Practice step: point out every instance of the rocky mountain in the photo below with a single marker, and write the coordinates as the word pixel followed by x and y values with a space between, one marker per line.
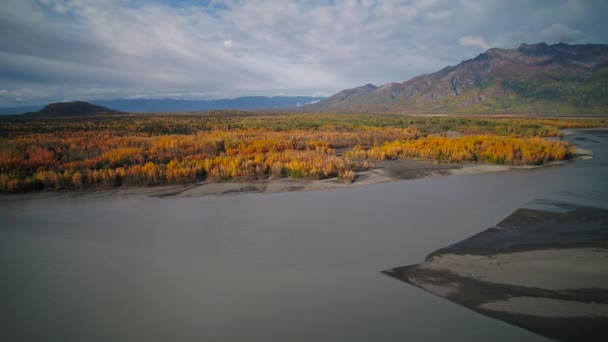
pixel 72 109
pixel 539 78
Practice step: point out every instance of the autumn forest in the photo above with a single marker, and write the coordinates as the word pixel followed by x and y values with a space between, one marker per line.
pixel 146 150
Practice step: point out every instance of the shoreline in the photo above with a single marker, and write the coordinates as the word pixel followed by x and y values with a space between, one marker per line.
pixel 384 171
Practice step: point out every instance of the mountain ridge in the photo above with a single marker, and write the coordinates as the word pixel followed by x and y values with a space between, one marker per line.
pixel 174 105
pixel 534 78
pixel 177 105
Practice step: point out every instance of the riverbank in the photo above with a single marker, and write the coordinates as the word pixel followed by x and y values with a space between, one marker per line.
pixel 383 172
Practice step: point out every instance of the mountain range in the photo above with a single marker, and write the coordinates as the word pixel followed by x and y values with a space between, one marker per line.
pixel 538 78
pixel 173 105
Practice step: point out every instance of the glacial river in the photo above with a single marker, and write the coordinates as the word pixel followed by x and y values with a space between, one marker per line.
pixel 299 266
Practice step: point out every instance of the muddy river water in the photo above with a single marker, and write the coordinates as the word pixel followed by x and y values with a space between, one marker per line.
pixel 299 266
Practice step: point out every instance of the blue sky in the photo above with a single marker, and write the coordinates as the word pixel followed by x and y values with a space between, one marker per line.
pixel 56 50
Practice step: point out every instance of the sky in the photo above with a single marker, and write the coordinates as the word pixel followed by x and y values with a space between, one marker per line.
pixel 60 50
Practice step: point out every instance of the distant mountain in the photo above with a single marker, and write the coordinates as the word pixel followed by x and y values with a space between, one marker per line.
pixel 538 78
pixel 172 105
pixel 242 103
pixel 72 109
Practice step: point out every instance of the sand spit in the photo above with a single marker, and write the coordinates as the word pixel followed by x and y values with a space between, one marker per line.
pixel 543 268
pixel 545 307
pixel 545 271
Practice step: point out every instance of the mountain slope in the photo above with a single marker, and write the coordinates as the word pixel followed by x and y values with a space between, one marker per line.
pixel 72 109
pixel 538 78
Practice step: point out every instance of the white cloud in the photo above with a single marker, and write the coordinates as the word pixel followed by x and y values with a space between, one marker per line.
pixel 441 15
pixel 475 42
pixel 122 48
pixel 558 32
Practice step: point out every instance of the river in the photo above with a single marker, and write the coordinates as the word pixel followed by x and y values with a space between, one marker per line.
pixel 297 266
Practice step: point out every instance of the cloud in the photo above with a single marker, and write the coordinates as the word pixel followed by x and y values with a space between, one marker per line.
pixel 92 49
pixel 476 42
pixel 442 15
pixel 558 32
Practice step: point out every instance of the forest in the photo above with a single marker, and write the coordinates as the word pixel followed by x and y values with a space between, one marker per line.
pixel 146 150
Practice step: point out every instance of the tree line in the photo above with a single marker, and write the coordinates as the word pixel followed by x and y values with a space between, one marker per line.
pixel 145 150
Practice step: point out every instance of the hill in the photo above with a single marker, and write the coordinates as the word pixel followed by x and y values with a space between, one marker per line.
pixel 72 109
pixel 539 78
